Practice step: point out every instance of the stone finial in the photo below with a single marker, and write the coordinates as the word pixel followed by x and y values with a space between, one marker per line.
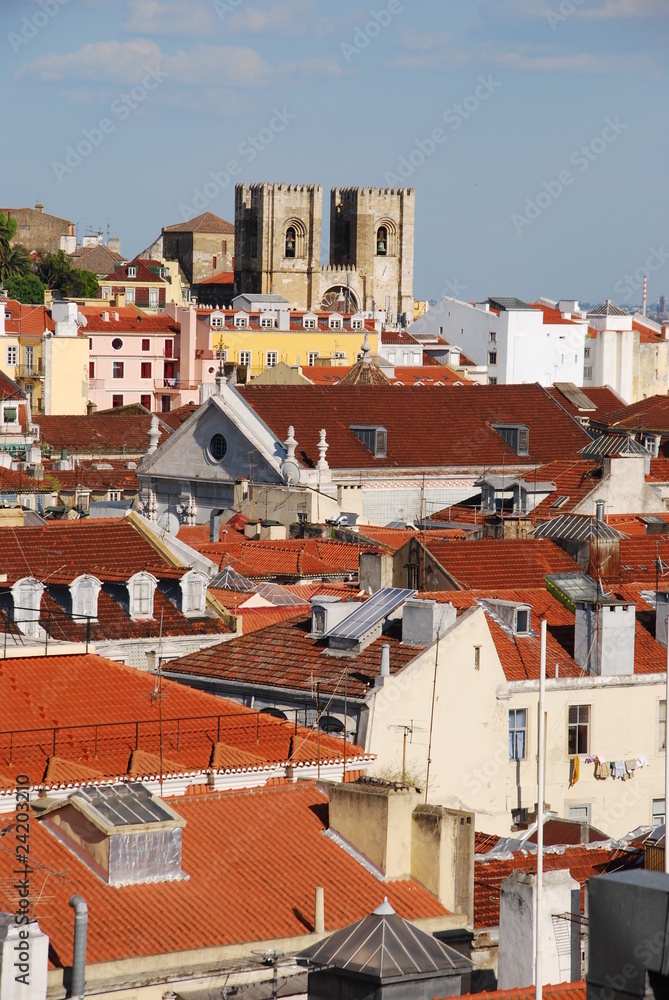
pixel 366 350
pixel 322 465
pixel 154 435
pixel 290 443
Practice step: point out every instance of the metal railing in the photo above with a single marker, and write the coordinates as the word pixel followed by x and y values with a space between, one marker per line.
pixel 39 628
pixel 30 371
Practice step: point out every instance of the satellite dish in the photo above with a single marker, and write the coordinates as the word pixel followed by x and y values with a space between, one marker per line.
pixel 169 523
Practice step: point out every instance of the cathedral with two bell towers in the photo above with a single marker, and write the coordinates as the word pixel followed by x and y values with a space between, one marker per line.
pixel 278 236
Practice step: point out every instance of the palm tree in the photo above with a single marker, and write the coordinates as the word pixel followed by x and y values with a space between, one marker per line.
pixel 15 261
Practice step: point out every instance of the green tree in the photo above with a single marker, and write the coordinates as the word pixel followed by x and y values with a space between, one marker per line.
pixel 83 284
pixel 15 262
pixel 8 229
pixel 26 289
pixel 57 273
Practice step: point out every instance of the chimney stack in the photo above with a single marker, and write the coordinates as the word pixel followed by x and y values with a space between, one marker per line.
pixel 319 911
pixel 599 506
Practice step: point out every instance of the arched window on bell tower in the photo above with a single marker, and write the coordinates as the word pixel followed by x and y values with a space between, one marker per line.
pixel 291 242
pixel 382 241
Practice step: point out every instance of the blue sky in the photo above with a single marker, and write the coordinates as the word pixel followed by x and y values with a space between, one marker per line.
pixel 535 132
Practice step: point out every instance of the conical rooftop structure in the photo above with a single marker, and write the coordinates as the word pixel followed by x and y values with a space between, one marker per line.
pixel 386 954
pixel 365 371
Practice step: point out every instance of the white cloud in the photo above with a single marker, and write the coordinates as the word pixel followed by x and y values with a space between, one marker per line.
pixel 589 9
pixel 168 17
pixel 125 63
pixel 610 9
pixel 286 17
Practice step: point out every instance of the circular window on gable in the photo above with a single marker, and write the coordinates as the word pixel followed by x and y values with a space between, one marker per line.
pixel 117 343
pixel 218 447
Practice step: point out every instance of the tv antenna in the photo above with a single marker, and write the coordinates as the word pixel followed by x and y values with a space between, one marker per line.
pixel 407 730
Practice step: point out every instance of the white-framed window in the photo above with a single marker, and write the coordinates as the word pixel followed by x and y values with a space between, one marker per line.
pixel 241 322
pixel 267 322
pixel 153 298
pixel 657 815
pixel 114 495
pixel 587 372
pixel 340 355
pixel 335 322
pixel 84 591
pixel 129 295
pixel 132 271
pixel 578 730
pixel 392 357
pixel 10 413
pixel 312 356
pixel 356 324
pixel 492 358
pixel 12 355
pixel 141 588
pixel 415 358
pixel 492 337
pixel 271 359
pixel 245 358
pixel 661 724
pixel 517 733
pixel 217 322
pixel 373 438
pixel 106 292
pixel 580 811
pixel 309 324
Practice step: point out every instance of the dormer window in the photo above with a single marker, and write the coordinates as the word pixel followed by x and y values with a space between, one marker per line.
pixel 267 322
pixel 193 594
pixel 356 324
pixel 141 588
pixel 216 322
pixel 132 271
pixel 516 436
pixel 309 322
pixel 335 323
pixel 373 438
pixel 27 599
pixel 84 592
pixel 291 241
pixel 241 321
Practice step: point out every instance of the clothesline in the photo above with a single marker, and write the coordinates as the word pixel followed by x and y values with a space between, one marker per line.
pixel 623 770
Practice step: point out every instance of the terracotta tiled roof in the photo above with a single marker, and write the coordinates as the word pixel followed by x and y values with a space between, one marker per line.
pixel 651 414
pixel 399 337
pixel 112 550
pixel 205 223
pixel 28 320
pixel 520 655
pixel 99 259
pixel 573 480
pixel 391 538
pixel 501 562
pixel 566 991
pixel 97 714
pixel 484 842
pixel 553 316
pixel 582 862
pixel 104 433
pixel 632 525
pixel 649 333
pixel 263 851
pixel 638 557
pixel 285 656
pixel 604 399
pixel 85 475
pixel 453 429
pixel 420 375
pixel 130 321
pixel 304 557
pixel 144 275
pixel 224 278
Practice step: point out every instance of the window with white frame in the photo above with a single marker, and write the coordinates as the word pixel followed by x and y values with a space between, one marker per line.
pixel 141 589
pixel 217 322
pixel 392 357
pixel 129 296
pixel 132 271
pixel 340 355
pixel 309 323
pixel 578 735
pixel 657 815
pixel 312 356
pixel 517 733
pixel 12 355
pixel 245 358
pixel 580 812
pixel 267 322
pixel 335 323
pixel 271 359
pixel 492 337
pixel 84 591
pixel 587 372
pixel 356 324
pixel 153 298
pixel 661 724
pixel 241 322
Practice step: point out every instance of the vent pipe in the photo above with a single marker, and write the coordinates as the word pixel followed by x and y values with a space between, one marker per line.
pixel 600 510
pixel 78 983
pixel 319 918
pixel 385 660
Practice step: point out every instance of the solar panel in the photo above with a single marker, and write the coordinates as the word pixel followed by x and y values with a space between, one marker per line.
pixel 125 805
pixel 371 613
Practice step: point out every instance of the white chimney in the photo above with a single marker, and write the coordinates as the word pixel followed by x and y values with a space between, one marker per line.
pixel 105 316
pixel 604 636
pixel 560 938
pixel 115 316
pixel 24 962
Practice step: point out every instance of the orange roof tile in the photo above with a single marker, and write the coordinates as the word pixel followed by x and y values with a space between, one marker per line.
pixel 28 320
pixel 500 562
pixel 263 851
pixel 130 320
pixel 565 991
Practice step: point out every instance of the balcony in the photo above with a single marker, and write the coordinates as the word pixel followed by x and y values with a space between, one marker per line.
pixel 173 385
pixel 30 371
